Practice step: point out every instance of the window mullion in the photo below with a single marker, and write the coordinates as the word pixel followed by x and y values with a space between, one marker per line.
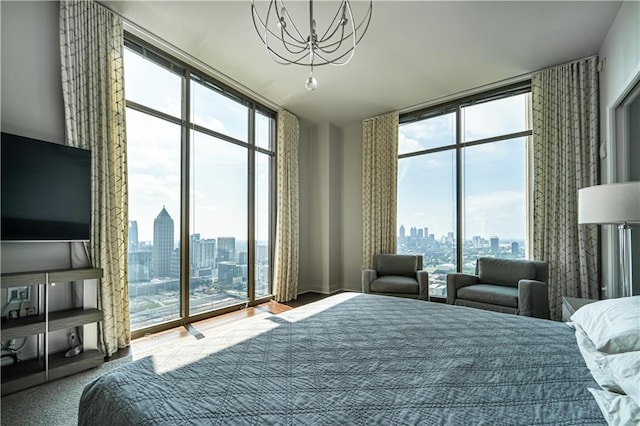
pixel 251 204
pixel 459 189
pixel 185 267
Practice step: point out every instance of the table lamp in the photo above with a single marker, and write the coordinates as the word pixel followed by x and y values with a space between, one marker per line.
pixel 619 204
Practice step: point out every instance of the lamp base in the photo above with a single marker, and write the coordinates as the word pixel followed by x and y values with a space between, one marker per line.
pixel 624 233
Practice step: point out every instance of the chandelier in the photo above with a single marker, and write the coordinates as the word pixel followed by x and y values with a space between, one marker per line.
pixel 287 44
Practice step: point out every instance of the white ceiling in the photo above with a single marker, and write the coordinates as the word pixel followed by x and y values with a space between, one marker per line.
pixel 414 51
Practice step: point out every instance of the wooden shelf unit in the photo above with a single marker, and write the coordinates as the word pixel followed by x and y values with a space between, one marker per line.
pixel 47 366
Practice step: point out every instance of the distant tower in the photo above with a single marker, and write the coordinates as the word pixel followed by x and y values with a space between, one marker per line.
pixel 413 232
pixel 514 248
pixel 226 249
pixel 402 232
pixel 133 235
pixel 162 244
pixel 420 233
pixel 495 245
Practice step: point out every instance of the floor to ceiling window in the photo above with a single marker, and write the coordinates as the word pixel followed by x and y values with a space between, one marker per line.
pixel 462 182
pixel 200 172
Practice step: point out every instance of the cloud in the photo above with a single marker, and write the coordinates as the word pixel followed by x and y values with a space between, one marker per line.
pixel 500 213
pixel 499 117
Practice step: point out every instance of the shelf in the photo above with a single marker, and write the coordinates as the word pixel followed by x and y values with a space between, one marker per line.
pixel 22 327
pixel 25 374
pixel 65 275
pixel 14 279
pixel 61 366
pixel 22 375
pixel 60 320
pixel 49 366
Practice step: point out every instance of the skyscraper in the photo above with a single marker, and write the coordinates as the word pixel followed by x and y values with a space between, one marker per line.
pixel 402 232
pixel 226 249
pixel 162 244
pixel 202 252
pixel 514 248
pixel 495 245
pixel 133 235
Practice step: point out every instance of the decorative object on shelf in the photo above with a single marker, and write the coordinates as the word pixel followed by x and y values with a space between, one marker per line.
pixel 287 45
pixel 618 204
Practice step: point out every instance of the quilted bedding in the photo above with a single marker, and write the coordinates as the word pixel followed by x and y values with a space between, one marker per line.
pixel 357 359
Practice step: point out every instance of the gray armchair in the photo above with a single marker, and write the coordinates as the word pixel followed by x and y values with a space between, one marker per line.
pixel 396 275
pixel 503 285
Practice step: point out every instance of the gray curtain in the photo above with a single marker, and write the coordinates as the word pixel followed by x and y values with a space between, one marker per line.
pixel 565 137
pixel 285 286
pixel 91 47
pixel 379 186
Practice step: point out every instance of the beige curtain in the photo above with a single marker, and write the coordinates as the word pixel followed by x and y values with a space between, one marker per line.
pixel 565 133
pixel 379 182
pixel 91 47
pixel 285 285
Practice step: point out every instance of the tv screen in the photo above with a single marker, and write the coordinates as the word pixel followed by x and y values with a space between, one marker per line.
pixel 46 191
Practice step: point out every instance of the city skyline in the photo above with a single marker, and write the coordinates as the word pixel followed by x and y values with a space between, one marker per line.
pixel 493 175
pixel 445 235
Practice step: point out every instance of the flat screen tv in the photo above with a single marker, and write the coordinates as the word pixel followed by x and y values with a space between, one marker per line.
pixel 46 191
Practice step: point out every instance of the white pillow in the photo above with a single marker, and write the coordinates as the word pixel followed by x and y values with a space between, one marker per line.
pixel 596 363
pixel 617 410
pixel 613 325
pixel 624 368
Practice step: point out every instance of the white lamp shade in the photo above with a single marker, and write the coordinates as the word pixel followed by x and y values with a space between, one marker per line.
pixel 614 203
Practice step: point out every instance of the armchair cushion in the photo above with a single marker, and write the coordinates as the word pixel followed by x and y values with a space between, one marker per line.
pixel 396 265
pixel 505 272
pixel 395 284
pixel 491 294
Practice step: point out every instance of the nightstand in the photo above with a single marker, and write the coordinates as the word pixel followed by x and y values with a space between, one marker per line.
pixel 572 304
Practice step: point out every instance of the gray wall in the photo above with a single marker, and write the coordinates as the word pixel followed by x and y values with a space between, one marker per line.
pixel 621 51
pixel 634 175
pixel 32 106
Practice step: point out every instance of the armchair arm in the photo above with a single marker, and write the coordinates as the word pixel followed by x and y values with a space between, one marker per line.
pixel 456 281
pixel 368 275
pixel 533 299
pixel 423 283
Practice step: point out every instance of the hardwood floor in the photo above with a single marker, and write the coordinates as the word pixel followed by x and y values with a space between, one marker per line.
pixel 154 341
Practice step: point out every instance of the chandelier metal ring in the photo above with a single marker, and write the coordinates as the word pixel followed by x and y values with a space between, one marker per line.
pixel 287 45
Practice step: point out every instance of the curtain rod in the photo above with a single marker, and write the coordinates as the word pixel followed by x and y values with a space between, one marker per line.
pixel 170 48
pixel 484 88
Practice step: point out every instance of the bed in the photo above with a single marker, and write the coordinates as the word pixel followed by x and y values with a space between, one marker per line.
pixel 357 359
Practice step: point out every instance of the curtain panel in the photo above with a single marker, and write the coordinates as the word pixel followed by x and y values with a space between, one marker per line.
pixel 285 286
pixel 566 140
pixel 379 185
pixel 91 48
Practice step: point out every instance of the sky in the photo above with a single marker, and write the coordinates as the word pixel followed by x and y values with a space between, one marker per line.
pixel 493 174
pixel 493 181
pixel 218 184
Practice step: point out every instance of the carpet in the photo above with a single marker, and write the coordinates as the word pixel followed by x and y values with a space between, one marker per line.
pixel 54 403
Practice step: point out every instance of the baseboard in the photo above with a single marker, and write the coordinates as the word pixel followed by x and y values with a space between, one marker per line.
pixel 328 293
